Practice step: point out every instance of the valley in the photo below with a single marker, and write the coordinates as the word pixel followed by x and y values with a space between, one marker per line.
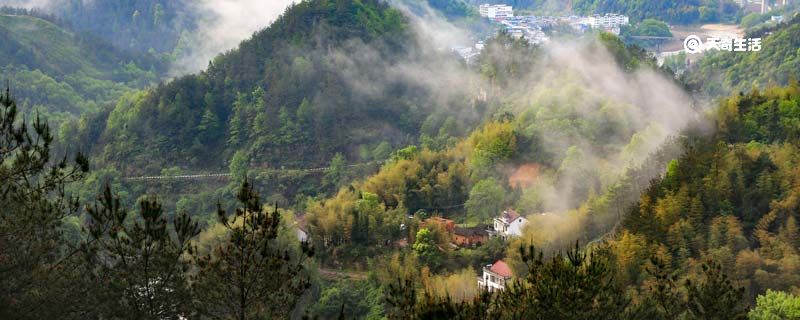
pixel 352 159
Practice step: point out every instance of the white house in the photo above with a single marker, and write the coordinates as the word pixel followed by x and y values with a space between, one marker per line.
pixel 495 276
pixel 608 21
pixel 509 224
pixel 496 11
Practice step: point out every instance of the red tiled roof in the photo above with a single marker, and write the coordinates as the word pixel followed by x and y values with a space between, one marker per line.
pixel 511 215
pixel 501 268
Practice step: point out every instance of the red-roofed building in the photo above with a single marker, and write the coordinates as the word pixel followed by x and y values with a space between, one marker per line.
pixel 495 276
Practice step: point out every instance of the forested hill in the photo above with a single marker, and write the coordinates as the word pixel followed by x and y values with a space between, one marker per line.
pixel 136 25
pixel 673 11
pixel 293 95
pixel 776 63
pixel 732 198
pixel 58 70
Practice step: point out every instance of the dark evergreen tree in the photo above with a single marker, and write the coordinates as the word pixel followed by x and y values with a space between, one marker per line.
pixel 715 297
pixel 249 275
pixel 571 285
pixel 139 262
pixel 36 281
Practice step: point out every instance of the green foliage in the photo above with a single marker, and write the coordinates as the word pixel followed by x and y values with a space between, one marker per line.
pixel 425 247
pixel 652 27
pixel 249 274
pixel 354 299
pixel 753 19
pixel 505 59
pixel 680 12
pixel 485 200
pixel 335 175
pixel 575 285
pixel 771 117
pixel 715 297
pixel 723 200
pixel 266 99
pixel 493 144
pixel 140 25
pixel 725 72
pixel 647 28
pixel 60 71
pixel 774 305
pixel 676 63
pixel 138 266
pixel 238 166
pixel 38 281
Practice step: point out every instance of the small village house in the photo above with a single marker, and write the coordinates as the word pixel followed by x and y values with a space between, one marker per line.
pixel 495 276
pixel 509 224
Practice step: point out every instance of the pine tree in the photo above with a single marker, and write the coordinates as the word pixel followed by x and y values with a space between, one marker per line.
pixel 662 291
pixel 208 127
pixel 36 280
pixel 401 299
pixel 715 297
pixel 249 275
pixel 139 265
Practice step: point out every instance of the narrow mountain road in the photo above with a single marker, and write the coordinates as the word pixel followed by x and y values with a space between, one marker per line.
pixel 228 175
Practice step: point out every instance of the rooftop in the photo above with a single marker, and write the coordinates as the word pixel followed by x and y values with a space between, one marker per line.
pixel 510 215
pixel 501 268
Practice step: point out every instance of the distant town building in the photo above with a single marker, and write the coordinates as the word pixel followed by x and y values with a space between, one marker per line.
pixel 608 21
pixel 776 19
pixel 495 276
pixel 469 237
pixel 496 11
pixel 509 224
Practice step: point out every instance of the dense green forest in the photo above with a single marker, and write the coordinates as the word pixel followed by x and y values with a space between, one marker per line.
pixel 144 26
pixel 65 73
pixel 776 64
pixel 343 120
pixel 282 92
pixel 715 231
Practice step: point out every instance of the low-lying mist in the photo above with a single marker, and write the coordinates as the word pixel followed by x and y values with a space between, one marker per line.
pixel 601 119
pixel 222 25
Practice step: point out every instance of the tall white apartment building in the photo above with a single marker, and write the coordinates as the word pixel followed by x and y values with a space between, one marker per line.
pixel 608 21
pixel 496 11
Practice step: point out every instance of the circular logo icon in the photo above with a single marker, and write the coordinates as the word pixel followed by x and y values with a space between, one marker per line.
pixel 693 44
